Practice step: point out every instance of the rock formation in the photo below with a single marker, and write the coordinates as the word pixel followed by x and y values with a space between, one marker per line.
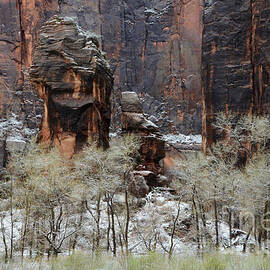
pixel 154 49
pixel 152 46
pixel 150 172
pixel 73 78
pixel 235 63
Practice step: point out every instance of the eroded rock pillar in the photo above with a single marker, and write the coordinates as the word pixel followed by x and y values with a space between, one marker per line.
pixel 73 78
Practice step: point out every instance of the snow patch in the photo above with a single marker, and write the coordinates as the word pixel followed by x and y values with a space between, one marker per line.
pixel 182 139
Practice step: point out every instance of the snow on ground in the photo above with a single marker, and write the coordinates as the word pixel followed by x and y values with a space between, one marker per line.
pixel 150 227
pixel 182 139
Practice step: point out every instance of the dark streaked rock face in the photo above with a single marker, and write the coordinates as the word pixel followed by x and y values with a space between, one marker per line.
pixel 159 58
pixel 152 47
pixel 235 62
pixel 73 78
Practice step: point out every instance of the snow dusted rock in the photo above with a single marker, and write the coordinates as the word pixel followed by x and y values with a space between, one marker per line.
pixel 138 186
pixel 162 180
pixel 13 136
pixel 14 144
pixel 151 226
pixel 238 236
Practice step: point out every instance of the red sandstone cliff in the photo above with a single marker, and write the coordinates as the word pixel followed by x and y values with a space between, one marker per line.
pixel 152 47
pixel 235 62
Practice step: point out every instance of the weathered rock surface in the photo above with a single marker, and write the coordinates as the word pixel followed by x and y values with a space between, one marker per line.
pixel 130 102
pixel 160 59
pixel 152 47
pixel 138 186
pixel 235 63
pixel 73 78
pixel 152 148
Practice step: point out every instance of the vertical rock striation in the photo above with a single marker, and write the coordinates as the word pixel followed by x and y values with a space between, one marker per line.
pixel 152 46
pixel 235 61
pixel 73 78
pixel 159 58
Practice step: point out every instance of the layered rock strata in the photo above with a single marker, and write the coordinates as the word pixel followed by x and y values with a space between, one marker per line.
pixel 236 60
pixel 72 76
pixel 152 45
pixel 150 172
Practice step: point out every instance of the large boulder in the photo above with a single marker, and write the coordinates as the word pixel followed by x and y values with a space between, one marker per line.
pixel 15 145
pixel 130 102
pixel 73 78
pixel 137 121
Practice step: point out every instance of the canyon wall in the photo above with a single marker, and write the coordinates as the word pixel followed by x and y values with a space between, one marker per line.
pixel 235 60
pixel 154 48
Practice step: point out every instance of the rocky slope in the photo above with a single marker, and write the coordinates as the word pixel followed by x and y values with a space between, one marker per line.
pixel 152 45
pixel 235 62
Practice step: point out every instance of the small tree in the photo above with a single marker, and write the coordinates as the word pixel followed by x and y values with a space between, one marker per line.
pixel 43 187
pixel 233 166
pixel 103 173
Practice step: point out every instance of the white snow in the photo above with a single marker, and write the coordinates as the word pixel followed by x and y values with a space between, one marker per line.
pixel 150 227
pixel 14 130
pixel 182 139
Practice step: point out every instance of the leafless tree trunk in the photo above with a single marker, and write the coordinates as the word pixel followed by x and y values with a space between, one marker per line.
pixel 173 230
pixel 196 221
pixel 78 228
pixel 96 219
pixel 216 222
pixel 3 231
pixel 32 239
pixel 127 215
pixel 230 225
pixel 247 237
pixel 24 229
pixel 112 214
pixel 109 227
pixel 11 220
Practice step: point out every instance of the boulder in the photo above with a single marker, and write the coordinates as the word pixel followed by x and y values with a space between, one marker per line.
pixel 138 186
pixel 162 181
pixel 15 145
pixel 137 121
pixel 130 102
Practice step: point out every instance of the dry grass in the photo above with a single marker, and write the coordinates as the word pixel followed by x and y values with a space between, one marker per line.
pixel 83 261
